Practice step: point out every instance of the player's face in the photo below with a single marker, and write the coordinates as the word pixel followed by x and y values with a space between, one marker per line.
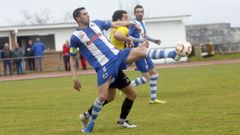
pixel 84 17
pixel 124 17
pixel 139 12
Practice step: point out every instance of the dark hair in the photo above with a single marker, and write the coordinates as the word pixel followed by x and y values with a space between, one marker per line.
pixel 76 12
pixel 136 7
pixel 118 15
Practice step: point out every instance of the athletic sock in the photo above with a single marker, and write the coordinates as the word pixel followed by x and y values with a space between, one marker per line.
pixel 153 86
pixel 138 81
pixel 161 53
pixel 126 107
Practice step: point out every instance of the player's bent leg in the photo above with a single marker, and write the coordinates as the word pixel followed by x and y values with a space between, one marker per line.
pixel 140 80
pixel 84 117
pixel 111 94
pixel 131 94
pixel 97 106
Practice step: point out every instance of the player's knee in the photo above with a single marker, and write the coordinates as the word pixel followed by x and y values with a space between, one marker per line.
pixel 110 99
pixel 132 95
pixel 102 97
pixel 140 51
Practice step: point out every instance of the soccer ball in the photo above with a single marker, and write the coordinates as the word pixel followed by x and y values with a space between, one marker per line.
pixel 183 48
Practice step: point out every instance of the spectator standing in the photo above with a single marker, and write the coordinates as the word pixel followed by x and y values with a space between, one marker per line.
pixel 83 62
pixel 29 53
pixel 18 57
pixel 38 50
pixel 66 57
pixel 1 51
pixel 7 55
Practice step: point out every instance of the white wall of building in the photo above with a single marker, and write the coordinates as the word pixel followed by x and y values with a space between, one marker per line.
pixel 168 32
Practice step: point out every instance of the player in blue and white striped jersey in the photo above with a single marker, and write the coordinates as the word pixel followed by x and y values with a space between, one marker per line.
pixel 145 65
pixel 107 61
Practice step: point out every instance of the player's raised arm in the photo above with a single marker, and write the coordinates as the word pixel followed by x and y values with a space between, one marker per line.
pixel 122 23
pixel 156 41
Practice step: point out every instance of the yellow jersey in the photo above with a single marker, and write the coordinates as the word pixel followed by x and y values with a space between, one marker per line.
pixel 118 44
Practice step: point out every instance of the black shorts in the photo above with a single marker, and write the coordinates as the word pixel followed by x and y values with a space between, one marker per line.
pixel 121 81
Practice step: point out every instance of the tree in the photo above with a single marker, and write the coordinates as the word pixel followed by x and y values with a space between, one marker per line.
pixel 37 18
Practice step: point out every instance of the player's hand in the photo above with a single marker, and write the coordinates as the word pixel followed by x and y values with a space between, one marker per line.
pixel 77 85
pixel 129 43
pixel 138 27
pixel 157 42
pixel 145 44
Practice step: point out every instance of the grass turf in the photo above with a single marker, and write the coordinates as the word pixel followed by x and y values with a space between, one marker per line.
pixel 200 100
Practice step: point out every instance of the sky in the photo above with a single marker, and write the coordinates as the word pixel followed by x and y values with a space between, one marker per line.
pixel 201 11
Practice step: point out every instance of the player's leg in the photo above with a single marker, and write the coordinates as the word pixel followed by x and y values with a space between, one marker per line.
pixel 153 87
pixel 140 80
pixel 142 51
pixel 142 67
pixel 97 106
pixel 84 117
pixel 127 104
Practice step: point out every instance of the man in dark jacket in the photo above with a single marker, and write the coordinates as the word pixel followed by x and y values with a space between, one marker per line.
pixel 29 53
pixel 18 53
pixel 7 54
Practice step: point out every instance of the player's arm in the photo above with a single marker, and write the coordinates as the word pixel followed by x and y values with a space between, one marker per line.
pixel 73 51
pixel 76 82
pixel 156 41
pixel 122 23
pixel 138 40
pixel 119 36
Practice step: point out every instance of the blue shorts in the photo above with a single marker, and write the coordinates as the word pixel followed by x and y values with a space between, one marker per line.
pixel 144 64
pixel 110 70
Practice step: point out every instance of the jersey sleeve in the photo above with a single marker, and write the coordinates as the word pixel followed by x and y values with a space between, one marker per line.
pixel 104 25
pixel 132 31
pixel 74 44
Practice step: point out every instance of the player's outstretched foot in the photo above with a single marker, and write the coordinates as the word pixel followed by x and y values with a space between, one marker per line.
pixel 156 101
pixel 177 58
pixel 126 124
pixel 84 120
pixel 88 128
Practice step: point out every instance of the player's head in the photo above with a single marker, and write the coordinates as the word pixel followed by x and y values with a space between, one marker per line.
pixel 80 15
pixel 119 15
pixel 139 12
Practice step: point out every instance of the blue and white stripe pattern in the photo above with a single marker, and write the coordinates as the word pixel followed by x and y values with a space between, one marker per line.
pixel 161 53
pixel 153 86
pixel 93 44
pixel 138 81
pixel 97 106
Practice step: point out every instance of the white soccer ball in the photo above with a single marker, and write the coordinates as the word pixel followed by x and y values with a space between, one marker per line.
pixel 183 48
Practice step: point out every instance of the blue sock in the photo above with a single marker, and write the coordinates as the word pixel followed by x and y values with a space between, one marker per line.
pixel 138 81
pixel 97 106
pixel 153 86
pixel 161 53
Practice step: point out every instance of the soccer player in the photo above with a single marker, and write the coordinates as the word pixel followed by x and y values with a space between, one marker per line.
pixel 145 65
pixel 119 36
pixel 106 60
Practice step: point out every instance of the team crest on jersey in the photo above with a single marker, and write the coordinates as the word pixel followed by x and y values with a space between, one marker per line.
pixel 81 35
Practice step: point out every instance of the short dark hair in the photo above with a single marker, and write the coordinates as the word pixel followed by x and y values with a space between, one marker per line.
pixel 136 7
pixel 118 15
pixel 76 12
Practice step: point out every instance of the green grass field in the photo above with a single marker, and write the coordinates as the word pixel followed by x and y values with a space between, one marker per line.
pixel 200 101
